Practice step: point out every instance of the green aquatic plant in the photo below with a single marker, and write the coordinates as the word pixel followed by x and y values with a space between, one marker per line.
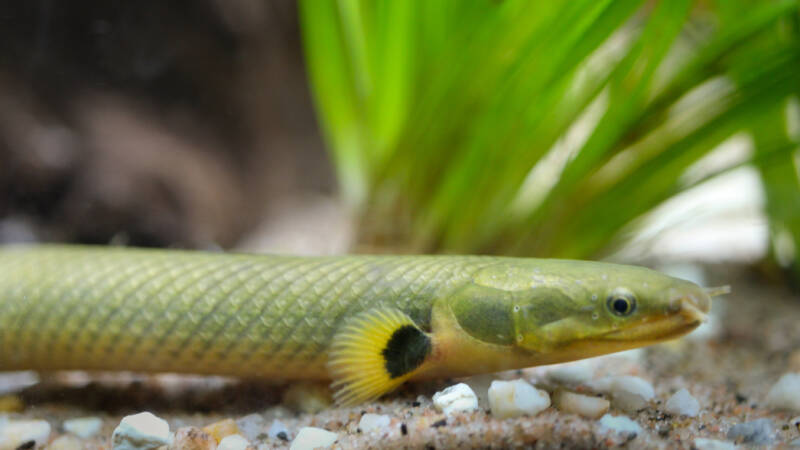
pixel 546 128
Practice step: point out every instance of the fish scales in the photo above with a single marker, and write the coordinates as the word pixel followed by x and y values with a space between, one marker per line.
pixel 244 315
pixel 367 323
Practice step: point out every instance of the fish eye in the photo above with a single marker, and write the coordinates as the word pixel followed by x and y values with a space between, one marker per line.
pixel 621 304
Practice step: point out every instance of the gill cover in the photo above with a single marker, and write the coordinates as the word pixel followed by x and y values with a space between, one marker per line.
pixel 536 319
pixel 543 318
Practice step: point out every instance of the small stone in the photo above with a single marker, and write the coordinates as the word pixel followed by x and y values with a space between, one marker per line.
pixel 141 431
pixel 619 424
pixel 456 398
pixel 572 374
pixel 219 430
pixel 627 392
pixel 582 405
pixel 683 404
pixel 21 433
pixel 66 442
pixel 84 427
pixel 192 438
pixel 758 432
pixel 515 398
pixel 785 394
pixel 309 438
pixel 233 442
pixel 370 422
pixel 712 444
pixel 278 431
pixel 251 426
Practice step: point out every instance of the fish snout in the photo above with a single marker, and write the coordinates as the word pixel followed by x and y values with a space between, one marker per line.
pixel 692 302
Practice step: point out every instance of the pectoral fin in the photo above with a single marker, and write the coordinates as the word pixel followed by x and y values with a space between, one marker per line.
pixel 374 353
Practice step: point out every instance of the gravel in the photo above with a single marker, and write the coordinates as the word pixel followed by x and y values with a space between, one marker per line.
pixel 683 404
pixel 619 424
pixel 23 433
pixel 233 442
pixel 371 422
pixel 68 442
pixel 84 427
pixel 278 431
pixel 785 394
pixel 311 438
pixel 582 405
pixel 220 429
pixel 628 393
pixel 758 432
pixel 192 438
pixel 712 444
pixel 516 398
pixel 143 431
pixel 455 399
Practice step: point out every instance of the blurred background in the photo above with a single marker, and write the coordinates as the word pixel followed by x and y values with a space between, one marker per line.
pixel 635 131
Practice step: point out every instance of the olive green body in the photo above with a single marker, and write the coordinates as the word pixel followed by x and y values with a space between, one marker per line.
pixel 195 312
pixel 283 317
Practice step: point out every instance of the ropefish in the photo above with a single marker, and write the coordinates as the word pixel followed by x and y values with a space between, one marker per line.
pixel 367 323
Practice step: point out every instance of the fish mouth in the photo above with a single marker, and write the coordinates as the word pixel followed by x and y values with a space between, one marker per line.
pixel 688 315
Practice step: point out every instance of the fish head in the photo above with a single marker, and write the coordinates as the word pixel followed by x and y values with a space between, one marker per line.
pixel 580 309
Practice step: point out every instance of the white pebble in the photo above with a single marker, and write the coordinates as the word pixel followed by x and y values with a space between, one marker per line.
pixel 310 438
pixel 456 398
pixel 683 404
pixel 627 392
pixel 251 426
pixel 758 432
pixel 278 431
pixel 371 422
pixel 66 442
pixel 712 444
pixel 18 433
pixel 233 442
pixel 84 427
pixel 572 373
pixel 619 424
pixel 515 398
pixel 583 405
pixel 785 394
pixel 141 431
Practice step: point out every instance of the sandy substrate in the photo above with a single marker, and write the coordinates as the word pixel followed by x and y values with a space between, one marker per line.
pixel 729 371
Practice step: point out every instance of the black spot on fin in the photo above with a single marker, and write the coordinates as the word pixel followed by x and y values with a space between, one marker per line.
pixel 373 353
pixel 406 350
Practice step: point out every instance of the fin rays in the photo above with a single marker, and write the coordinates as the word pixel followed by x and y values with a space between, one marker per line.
pixel 370 355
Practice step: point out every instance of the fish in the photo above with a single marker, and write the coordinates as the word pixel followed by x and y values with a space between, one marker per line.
pixel 365 323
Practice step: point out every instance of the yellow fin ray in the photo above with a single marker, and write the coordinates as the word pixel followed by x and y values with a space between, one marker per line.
pixel 374 353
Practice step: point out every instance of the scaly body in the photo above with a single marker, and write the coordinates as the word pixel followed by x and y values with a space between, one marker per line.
pixel 367 322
